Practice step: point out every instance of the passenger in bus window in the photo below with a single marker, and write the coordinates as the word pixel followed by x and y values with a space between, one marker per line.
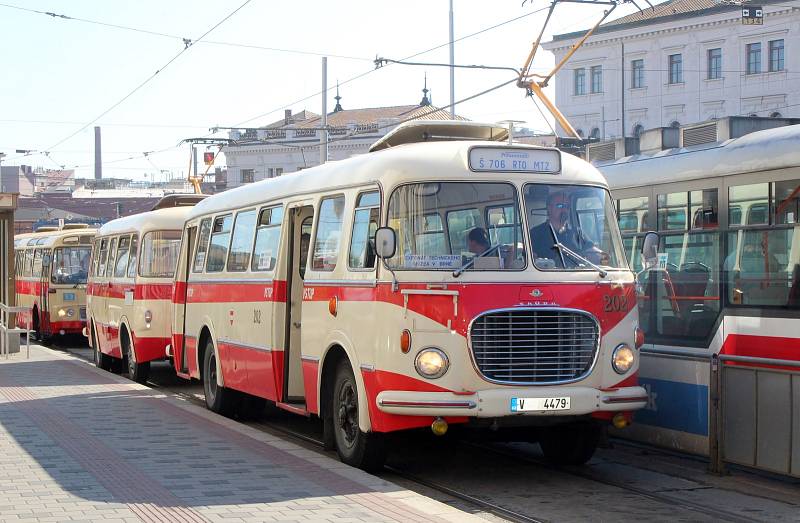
pixel 477 243
pixel 558 222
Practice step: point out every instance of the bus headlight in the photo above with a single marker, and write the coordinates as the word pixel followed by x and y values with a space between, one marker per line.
pixel 622 358
pixel 68 312
pixel 431 363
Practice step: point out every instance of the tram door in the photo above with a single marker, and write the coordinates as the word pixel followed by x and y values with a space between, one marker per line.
pixel 299 238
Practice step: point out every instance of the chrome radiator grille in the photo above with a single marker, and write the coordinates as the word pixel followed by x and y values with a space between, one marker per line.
pixel 534 346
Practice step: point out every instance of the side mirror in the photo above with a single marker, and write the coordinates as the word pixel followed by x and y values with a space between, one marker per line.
pixel 650 248
pixel 385 242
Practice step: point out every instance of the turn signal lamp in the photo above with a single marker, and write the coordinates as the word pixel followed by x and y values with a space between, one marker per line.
pixel 620 421
pixel 405 341
pixel 639 335
pixel 439 427
pixel 333 305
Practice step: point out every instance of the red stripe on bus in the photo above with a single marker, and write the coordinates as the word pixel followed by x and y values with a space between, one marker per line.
pixel 230 292
pixel 141 291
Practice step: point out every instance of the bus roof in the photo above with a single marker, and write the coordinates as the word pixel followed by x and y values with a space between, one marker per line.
pixel 50 237
pixel 430 161
pixel 169 219
pixel 765 150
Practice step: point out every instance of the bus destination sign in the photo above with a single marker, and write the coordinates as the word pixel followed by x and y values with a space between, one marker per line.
pixel 507 159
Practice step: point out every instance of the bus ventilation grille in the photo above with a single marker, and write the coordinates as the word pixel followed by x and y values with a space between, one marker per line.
pixel 534 346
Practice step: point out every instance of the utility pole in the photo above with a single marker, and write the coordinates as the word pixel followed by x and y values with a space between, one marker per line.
pixel 452 69
pixel 323 137
pixel 194 156
pixel 98 162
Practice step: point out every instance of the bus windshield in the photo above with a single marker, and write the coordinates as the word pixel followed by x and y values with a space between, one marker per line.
pixel 70 265
pixel 447 226
pixel 570 225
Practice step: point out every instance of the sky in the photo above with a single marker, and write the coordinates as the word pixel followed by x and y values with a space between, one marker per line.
pixel 59 75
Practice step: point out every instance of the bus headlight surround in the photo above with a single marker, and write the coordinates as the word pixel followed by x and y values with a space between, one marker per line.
pixel 622 358
pixel 66 312
pixel 431 363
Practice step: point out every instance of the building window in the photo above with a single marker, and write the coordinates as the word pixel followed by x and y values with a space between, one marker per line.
pixel 753 58
pixel 270 172
pixel 638 130
pixel 776 55
pixel 580 81
pixel 714 64
pixel 248 175
pixel 278 171
pixel 597 79
pixel 675 124
pixel 595 133
pixel 775 115
pixel 579 132
pixel 675 69
pixel 637 74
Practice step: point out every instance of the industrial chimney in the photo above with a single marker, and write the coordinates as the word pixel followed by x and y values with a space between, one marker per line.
pixel 98 162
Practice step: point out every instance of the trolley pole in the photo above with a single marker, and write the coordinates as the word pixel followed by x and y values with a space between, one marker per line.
pixel 452 69
pixel 323 137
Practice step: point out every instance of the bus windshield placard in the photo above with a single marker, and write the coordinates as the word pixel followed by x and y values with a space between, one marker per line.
pixel 504 159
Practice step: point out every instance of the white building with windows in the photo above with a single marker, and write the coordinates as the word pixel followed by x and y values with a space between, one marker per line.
pixel 292 143
pixel 683 62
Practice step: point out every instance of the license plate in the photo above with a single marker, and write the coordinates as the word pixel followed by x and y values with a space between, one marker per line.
pixel 69 296
pixel 539 404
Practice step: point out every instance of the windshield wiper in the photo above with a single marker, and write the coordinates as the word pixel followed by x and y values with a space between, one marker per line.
pixel 470 263
pixel 562 250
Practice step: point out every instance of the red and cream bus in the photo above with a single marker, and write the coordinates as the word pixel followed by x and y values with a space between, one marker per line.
pixel 130 289
pixel 51 269
pixel 422 284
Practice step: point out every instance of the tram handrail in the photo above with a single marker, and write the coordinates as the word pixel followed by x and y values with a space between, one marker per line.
pixel 5 330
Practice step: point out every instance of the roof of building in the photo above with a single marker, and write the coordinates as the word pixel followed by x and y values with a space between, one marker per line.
pixel 664 12
pixel 47 204
pixel 307 119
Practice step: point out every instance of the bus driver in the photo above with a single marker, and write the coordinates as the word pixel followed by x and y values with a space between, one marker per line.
pixel 558 224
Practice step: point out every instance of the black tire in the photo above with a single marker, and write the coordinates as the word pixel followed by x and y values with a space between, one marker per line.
pixel 364 450
pixel 218 399
pixel 101 361
pixel 138 372
pixel 570 444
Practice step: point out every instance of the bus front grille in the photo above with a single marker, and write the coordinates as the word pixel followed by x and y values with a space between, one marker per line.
pixel 534 346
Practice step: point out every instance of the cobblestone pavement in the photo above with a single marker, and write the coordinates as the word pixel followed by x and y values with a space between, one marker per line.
pixel 80 444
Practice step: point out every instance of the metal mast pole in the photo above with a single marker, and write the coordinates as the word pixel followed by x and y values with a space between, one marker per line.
pixel 323 137
pixel 452 69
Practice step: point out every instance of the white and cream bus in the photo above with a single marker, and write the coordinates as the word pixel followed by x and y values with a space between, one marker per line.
pixel 51 269
pixel 130 287
pixel 418 285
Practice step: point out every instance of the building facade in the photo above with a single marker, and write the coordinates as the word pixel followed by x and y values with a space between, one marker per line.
pixel 293 143
pixel 683 62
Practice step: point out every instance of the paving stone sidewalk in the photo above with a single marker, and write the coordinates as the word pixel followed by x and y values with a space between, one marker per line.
pixel 80 444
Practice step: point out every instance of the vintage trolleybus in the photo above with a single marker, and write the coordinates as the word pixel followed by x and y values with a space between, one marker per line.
pixel 418 285
pixel 51 269
pixel 130 287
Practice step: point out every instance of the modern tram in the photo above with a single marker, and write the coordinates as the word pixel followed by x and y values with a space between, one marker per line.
pixel 443 278
pixel 51 269
pixel 728 282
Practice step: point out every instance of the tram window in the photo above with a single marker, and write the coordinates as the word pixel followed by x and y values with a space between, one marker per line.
pixel 112 252
pixel 751 203
pixel 133 256
pixel 459 225
pixel 242 241
pixel 202 245
pixel 268 237
pixel 787 201
pixel 159 254
pixel 365 223
pixel 704 207
pixel 101 262
pixel 763 267
pixel 672 209
pixel 633 214
pixel 218 247
pixel 329 231
pixel 121 265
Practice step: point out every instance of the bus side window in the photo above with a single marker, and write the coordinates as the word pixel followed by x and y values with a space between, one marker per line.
pixel 37 263
pixel 305 242
pixel 133 256
pixel 329 232
pixel 365 223
pixel 202 245
pixel 242 241
pixel 112 251
pixel 101 262
pixel 121 267
pixel 267 243
pixel 218 248
pixel 28 262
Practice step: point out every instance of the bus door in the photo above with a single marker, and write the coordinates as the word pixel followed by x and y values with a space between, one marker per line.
pixel 44 290
pixel 181 360
pixel 299 239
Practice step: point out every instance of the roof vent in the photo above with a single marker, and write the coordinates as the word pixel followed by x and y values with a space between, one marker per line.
pixel 73 226
pixel 699 134
pixel 601 151
pixel 179 200
pixel 47 228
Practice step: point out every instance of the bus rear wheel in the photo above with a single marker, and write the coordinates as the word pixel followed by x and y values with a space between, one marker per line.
pixel 364 450
pixel 138 372
pixel 570 444
pixel 101 361
pixel 218 398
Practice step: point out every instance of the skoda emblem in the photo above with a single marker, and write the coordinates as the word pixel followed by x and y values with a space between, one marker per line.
pixel 536 293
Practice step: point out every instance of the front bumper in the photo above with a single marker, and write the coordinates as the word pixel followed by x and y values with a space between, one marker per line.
pixel 494 403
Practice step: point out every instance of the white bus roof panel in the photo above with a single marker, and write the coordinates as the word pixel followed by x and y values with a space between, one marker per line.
pixel 169 219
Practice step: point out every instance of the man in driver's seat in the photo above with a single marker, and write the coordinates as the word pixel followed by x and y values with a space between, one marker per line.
pixel 558 222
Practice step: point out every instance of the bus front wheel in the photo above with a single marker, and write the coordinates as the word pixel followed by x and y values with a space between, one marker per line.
pixel 218 398
pixel 365 450
pixel 101 361
pixel 570 444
